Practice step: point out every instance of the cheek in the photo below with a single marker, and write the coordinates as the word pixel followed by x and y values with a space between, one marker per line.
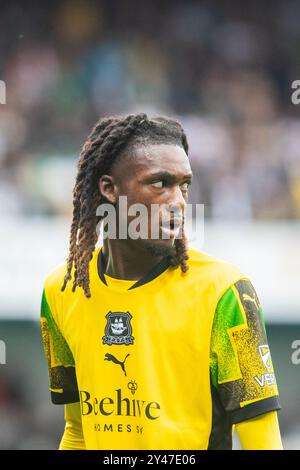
pixel 142 194
pixel 137 194
pixel 130 190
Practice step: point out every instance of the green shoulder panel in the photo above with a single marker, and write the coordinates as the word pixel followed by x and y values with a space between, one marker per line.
pixel 56 348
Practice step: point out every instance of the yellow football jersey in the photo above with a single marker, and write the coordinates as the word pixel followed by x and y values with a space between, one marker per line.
pixel 171 361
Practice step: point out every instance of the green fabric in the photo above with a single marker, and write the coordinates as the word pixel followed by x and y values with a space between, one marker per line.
pixel 61 350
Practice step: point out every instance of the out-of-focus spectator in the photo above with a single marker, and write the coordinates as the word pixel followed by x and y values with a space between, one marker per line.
pixel 225 71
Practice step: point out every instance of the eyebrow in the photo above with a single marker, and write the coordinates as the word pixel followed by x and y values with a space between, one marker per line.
pixel 168 176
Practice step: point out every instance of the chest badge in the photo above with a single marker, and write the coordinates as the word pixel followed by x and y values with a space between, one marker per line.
pixel 118 329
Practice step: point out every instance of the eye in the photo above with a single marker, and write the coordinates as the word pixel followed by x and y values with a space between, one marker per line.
pixel 158 184
pixel 185 186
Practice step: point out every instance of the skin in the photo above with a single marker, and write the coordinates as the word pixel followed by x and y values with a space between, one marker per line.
pixel 139 177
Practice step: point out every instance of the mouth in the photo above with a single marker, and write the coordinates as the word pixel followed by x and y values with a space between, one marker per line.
pixel 171 228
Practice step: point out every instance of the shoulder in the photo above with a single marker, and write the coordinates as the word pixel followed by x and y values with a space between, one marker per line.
pixel 217 272
pixel 53 296
pixel 54 279
pixel 201 261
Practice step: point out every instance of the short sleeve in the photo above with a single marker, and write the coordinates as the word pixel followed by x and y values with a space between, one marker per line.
pixel 60 361
pixel 241 367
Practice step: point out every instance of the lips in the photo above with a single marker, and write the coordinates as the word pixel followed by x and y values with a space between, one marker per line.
pixel 171 228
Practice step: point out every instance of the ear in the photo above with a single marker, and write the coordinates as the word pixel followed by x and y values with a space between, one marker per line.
pixel 107 188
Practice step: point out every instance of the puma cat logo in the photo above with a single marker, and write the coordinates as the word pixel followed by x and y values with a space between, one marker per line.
pixel 250 299
pixel 110 357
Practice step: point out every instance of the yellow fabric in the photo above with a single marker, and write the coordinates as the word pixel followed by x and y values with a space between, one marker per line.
pixel 260 433
pixel 118 283
pixel 72 438
pixel 152 389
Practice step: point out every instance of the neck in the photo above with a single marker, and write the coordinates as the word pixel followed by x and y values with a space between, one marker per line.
pixel 127 259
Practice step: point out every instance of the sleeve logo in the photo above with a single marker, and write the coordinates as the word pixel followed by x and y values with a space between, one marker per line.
pixel 269 378
pixel 265 355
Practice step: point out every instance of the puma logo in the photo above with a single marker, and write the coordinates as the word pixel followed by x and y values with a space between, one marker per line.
pixel 250 299
pixel 110 357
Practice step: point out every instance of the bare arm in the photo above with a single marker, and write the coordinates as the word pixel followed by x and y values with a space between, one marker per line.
pixel 72 438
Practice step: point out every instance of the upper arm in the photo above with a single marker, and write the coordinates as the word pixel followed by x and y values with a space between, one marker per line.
pixel 241 367
pixel 60 360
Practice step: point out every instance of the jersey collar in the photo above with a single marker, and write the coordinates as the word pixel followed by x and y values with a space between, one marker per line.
pixel 152 274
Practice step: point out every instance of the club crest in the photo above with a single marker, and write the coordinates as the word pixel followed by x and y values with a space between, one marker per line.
pixel 118 329
pixel 265 355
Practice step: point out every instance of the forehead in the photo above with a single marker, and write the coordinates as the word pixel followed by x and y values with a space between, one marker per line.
pixel 148 159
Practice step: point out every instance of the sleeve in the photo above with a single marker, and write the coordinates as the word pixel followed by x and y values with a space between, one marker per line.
pixel 241 367
pixel 72 438
pixel 60 361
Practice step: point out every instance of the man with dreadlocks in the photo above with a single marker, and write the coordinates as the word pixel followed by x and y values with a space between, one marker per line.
pixel 153 345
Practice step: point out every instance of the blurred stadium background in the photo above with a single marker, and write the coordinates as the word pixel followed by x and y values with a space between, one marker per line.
pixel 225 71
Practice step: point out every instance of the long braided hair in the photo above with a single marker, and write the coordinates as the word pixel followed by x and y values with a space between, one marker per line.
pixel 108 140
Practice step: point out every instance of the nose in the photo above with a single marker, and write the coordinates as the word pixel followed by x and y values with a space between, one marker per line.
pixel 177 203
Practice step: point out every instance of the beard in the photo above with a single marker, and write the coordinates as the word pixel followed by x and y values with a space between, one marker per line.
pixel 157 249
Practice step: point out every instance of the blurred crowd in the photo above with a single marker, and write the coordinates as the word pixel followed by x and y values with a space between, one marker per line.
pixel 224 69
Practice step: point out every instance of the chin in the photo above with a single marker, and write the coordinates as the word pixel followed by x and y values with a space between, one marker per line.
pixel 160 247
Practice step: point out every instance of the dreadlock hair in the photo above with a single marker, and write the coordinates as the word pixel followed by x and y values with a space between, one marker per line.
pixel 109 139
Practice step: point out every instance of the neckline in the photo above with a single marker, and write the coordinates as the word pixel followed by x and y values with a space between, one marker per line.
pixel 153 274
pixel 119 284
